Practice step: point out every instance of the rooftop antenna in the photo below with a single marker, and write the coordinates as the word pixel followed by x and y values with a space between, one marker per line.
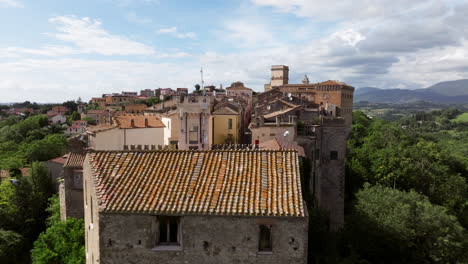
pixel 202 82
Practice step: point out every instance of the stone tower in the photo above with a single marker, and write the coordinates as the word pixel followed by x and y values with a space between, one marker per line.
pixel 279 76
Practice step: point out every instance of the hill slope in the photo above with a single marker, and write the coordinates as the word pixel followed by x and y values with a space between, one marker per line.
pixel 442 93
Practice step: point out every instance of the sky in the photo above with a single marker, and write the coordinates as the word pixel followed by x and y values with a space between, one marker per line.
pixel 55 50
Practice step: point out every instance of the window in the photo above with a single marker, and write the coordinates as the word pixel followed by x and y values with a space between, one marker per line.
pixel 230 123
pixel 265 238
pixel 333 155
pixel 168 230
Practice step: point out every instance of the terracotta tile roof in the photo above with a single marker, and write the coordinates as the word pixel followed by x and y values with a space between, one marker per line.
pixel 330 82
pixel 125 121
pixel 277 144
pixel 99 128
pixel 281 112
pixel 60 160
pixel 75 160
pixel 210 182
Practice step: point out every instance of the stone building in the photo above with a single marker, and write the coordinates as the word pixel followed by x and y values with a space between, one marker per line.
pixel 71 187
pixel 173 206
pixel 328 94
pixel 318 118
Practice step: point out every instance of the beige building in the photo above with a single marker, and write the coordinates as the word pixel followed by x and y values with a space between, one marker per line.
pixel 171 121
pixel 225 125
pixel 127 131
pixel 242 206
pixel 195 113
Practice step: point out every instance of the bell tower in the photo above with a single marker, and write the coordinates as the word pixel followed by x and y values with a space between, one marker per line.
pixel 279 75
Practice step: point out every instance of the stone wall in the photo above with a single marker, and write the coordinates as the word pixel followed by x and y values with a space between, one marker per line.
pixel 71 194
pixel 129 238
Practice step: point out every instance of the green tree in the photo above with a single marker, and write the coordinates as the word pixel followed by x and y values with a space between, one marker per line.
pixel 75 116
pixel 11 246
pixel 41 150
pixel 392 226
pixel 62 242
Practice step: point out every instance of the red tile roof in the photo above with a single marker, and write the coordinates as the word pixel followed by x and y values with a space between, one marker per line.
pixel 125 121
pixel 212 182
pixel 276 144
pixel 75 160
pixel 61 160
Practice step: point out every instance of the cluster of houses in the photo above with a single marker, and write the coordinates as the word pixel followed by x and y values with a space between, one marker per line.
pixel 209 177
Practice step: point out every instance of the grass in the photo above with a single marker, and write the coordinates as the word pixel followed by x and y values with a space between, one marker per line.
pixel 461 118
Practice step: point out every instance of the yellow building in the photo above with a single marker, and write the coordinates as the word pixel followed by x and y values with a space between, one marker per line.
pixel 225 124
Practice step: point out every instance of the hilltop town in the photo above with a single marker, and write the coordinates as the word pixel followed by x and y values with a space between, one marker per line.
pixel 220 160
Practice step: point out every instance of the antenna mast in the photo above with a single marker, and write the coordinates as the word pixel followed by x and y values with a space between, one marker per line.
pixel 202 83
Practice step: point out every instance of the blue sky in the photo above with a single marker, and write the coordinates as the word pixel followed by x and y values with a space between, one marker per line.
pixel 51 51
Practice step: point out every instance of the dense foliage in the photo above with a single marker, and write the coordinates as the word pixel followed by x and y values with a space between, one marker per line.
pixel 62 242
pixel 407 192
pixel 393 226
pixel 23 203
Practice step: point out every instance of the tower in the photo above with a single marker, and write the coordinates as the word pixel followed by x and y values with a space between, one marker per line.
pixel 279 76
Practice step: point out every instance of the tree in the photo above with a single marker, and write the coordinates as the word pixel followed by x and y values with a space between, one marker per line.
pixel 75 116
pixel 62 242
pixel 197 89
pixel 41 150
pixel 392 226
pixel 71 105
pixel 11 246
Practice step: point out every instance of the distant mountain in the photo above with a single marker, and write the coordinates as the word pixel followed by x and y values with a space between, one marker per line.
pixel 442 93
pixel 451 88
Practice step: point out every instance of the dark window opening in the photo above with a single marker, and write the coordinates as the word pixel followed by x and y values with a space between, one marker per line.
pixel 230 123
pixel 333 155
pixel 168 230
pixel 265 238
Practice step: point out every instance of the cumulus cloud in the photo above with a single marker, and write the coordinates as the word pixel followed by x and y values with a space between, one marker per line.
pixel 89 37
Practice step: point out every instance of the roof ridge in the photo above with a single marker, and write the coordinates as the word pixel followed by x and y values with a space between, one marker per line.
pixel 188 150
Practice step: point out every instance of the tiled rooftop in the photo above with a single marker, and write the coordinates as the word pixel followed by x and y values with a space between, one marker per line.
pixel 125 121
pixel 75 160
pixel 213 182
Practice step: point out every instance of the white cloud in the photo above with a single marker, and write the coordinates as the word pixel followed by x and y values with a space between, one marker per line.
pixel 89 37
pixel 247 33
pixel 11 3
pixel 174 32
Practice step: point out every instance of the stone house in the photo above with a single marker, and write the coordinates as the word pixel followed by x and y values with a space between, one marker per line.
pixel 147 93
pixel 55 167
pixel 127 131
pixel 60 109
pixel 99 116
pixel 77 127
pixel 242 206
pixel 56 118
pixel 71 187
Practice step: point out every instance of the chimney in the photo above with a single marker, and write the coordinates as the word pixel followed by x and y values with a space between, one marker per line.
pixel 146 122
pixel 132 122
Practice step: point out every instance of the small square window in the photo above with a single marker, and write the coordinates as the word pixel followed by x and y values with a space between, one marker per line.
pixel 333 155
pixel 168 230
pixel 265 239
